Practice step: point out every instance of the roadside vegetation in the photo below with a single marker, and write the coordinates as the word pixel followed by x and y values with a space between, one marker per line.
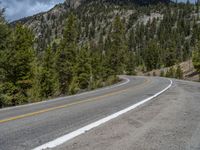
pixel 27 76
pixel 156 36
pixel 196 59
pixel 95 46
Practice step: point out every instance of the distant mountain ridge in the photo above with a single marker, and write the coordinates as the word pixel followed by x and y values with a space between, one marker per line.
pixel 73 4
pixel 48 26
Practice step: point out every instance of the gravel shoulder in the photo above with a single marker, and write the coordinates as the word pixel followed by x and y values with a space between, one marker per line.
pixel 169 122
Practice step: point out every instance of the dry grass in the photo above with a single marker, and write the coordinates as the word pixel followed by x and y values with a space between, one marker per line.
pixel 187 67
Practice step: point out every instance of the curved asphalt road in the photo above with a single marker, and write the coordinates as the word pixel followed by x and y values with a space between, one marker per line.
pixel 26 127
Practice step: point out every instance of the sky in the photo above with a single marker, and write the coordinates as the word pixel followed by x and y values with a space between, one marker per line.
pixel 16 9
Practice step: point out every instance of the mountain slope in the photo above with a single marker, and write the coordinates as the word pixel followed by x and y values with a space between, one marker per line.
pixel 48 26
pixel 83 45
pixel 160 34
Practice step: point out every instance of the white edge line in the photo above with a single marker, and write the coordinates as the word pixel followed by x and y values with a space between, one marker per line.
pixel 61 98
pixel 67 137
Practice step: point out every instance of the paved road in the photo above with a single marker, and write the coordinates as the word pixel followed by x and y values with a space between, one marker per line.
pixel 29 126
pixel 169 122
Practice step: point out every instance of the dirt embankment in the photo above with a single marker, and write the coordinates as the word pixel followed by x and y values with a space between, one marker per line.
pixel 189 73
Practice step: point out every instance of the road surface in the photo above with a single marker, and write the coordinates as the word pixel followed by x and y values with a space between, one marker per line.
pixel 169 122
pixel 30 126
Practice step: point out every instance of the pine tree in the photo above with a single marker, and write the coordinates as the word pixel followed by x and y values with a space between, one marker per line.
pixel 131 42
pixel 196 59
pixel 130 65
pixel 45 78
pixel 18 67
pixel 66 55
pixel 151 59
pixel 118 48
pixel 179 73
pixel 170 56
pixel 101 42
pixel 4 32
pixel 99 72
pixel 82 68
pixel 5 36
pixel 170 73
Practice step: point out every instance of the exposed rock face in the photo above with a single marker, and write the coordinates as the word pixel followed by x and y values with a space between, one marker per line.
pixel 48 26
pixel 73 3
pixel 49 18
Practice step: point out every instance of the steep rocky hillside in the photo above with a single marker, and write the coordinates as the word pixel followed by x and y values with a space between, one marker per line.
pixel 160 33
pixel 80 45
pixel 94 15
pixel 48 26
pixel 189 73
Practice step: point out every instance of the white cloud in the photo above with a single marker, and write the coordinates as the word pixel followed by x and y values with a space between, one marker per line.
pixel 16 9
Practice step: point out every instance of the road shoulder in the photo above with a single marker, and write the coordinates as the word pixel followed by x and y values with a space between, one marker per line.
pixel 170 121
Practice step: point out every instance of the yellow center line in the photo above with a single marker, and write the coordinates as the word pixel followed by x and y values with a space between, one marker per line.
pixel 65 106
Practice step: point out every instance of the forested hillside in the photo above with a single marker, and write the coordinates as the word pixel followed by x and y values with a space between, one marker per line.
pixel 159 35
pixel 28 76
pixel 85 44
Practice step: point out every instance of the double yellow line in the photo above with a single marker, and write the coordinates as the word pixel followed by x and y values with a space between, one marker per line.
pixel 65 106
